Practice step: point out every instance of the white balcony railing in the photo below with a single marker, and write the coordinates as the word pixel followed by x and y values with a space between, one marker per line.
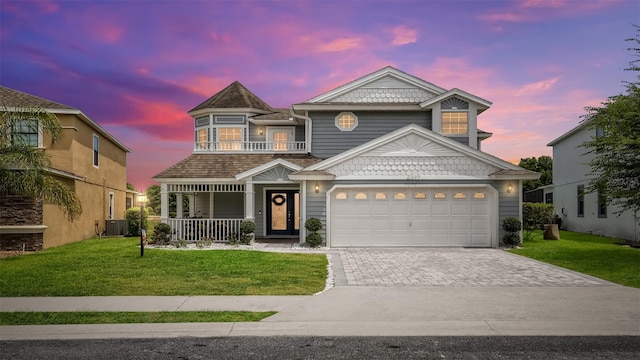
pixel 252 146
pixel 217 230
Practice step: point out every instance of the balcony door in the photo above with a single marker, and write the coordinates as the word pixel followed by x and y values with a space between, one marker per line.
pixel 283 212
pixel 280 136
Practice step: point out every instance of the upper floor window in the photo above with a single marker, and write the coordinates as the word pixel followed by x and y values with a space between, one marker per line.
pixel 602 204
pixel 580 200
pixel 202 138
pixel 96 150
pixel 346 121
pixel 230 138
pixel 455 122
pixel 26 132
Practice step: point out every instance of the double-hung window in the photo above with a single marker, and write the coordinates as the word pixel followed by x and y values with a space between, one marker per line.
pixel 26 132
pixel 230 138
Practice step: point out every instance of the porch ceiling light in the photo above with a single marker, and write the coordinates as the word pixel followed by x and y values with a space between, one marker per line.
pixel 316 188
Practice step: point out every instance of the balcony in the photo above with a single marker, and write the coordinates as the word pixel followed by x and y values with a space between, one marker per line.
pixel 252 146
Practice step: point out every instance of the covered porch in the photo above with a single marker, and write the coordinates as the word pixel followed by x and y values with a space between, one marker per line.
pixel 214 211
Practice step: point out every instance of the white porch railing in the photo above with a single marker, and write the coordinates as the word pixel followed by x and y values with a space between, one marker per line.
pixel 218 230
pixel 252 146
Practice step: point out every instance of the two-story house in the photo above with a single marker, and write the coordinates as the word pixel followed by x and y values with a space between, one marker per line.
pixel 385 160
pixel 88 159
pixel 581 211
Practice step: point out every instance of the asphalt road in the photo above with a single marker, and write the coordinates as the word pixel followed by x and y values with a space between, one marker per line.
pixel 493 347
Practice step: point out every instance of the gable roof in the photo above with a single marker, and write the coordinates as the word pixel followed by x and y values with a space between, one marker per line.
pixel 12 98
pixel 388 72
pixel 234 96
pixel 448 147
pixel 566 135
pixel 485 104
pixel 227 166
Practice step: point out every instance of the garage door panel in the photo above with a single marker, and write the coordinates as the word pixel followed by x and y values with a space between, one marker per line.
pixel 441 217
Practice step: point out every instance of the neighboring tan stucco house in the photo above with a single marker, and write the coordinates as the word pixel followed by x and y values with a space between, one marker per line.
pixel 580 211
pixel 88 159
pixel 385 160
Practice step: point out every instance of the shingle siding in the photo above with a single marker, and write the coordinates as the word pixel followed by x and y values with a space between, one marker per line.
pixel 328 140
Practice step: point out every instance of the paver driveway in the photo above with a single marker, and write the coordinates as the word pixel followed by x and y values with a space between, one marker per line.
pixel 451 268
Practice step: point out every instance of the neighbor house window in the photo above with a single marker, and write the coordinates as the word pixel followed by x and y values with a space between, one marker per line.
pixel 602 204
pixel 26 132
pixel 581 200
pixel 346 121
pixel 455 122
pixel 96 149
pixel 230 138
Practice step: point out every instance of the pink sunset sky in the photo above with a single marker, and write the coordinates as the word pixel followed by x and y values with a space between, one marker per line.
pixel 137 67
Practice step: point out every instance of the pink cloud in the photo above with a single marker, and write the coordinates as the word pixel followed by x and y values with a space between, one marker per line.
pixel 537 87
pixel 340 44
pixel 402 35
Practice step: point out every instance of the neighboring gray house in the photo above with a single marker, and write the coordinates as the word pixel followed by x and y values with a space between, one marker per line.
pixel 385 160
pixel 581 211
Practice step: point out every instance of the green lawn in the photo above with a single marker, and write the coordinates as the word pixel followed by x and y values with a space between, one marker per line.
pixel 54 318
pixel 113 267
pixel 590 254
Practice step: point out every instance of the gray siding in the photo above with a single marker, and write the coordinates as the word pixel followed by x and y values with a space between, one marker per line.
pixel 228 205
pixel 328 140
pixel 462 140
pixel 317 205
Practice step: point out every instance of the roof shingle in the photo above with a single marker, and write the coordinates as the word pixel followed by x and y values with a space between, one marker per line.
pixel 234 96
pixel 14 98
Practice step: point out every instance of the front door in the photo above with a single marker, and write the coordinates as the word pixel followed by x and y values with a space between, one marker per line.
pixel 283 212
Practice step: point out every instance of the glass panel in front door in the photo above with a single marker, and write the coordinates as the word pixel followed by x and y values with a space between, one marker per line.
pixel 279 211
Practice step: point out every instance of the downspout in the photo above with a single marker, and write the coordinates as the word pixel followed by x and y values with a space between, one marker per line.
pixel 307 127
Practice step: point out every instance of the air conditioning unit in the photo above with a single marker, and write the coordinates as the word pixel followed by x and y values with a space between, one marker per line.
pixel 115 227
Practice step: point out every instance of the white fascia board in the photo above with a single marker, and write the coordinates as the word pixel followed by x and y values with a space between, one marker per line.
pixel 290 121
pixel 356 107
pixel 197 181
pixel 457 92
pixel 322 177
pixel 413 128
pixel 227 111
pixel 373 77
pixel 264 167
pixel 569 133
pixel 65 174
pixel 535 176
pixel 440 178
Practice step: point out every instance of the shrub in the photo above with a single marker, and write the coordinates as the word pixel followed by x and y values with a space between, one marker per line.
pixel 182 243
pixel 314 239
pixel 161 234
pixel 536 215
pixel 313 224
pixel 511 225
pixel 204 242
pixel 511 239
pixel 247 228
pixel 133 220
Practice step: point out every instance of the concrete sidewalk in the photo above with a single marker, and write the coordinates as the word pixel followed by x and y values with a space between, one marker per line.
pixel 362 311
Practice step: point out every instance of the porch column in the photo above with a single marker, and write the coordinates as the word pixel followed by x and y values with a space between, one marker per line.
pixel 164 203
pixel 192 205
pixel 179 206
pixel 249 200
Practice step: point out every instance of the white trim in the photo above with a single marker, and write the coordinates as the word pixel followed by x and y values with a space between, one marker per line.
pixel 22 229
pixel 493 203
pixel 264 167
pixel 357 107
pixel 460 93
pixel 386 71
pixel 305 177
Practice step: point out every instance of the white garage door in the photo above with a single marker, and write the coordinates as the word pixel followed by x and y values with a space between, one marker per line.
pixel 410 217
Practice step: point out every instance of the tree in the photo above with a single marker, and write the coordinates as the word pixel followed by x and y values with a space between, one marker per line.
pixel 615 165
pixel 131 187
pixel 543 165
pixel 24 168
pixel 153 198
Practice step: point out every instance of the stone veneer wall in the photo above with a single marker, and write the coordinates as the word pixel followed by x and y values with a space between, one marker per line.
pixel 20 210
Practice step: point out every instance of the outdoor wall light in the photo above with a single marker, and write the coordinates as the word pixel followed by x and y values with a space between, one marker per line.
pixel 510 188
pixel 316 188
pixel 261 131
